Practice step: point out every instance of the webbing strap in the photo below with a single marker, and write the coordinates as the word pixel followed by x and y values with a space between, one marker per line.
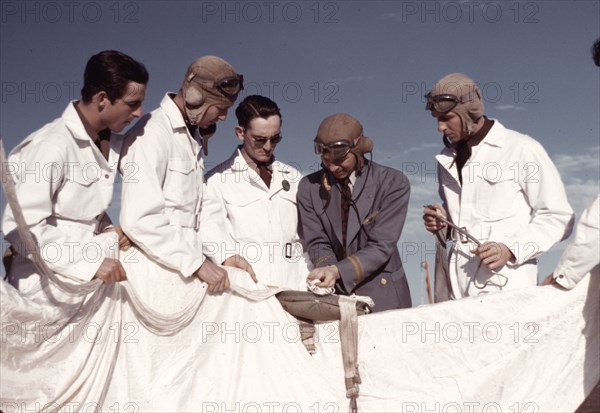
pixel 307 334
pixel 349 340
pixel 348 336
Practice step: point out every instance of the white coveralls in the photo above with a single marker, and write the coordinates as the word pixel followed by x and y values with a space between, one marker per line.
pixel 160 201
pixel 162 189
pixel 227 349
pixel 241 215
pixel 64 186
pixel 512 194
pixel 58 346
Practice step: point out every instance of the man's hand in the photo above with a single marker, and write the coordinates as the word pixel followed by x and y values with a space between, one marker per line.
pixel 549 280
pixel 432 224
pixel 494 254
pixel 110 271
pixel 214 276
pixel 124 241
pixel 240 262
pixel 327 276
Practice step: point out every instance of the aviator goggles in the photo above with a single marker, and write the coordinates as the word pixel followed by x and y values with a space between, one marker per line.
pixel 229 86
pixel 335 150
pixel 445 103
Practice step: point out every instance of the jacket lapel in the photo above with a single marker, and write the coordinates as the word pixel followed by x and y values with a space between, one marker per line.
pixel 333 211
pixel 241 166
pixel 88 148
pixel 446 161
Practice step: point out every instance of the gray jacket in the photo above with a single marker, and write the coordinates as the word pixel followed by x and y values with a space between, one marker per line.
pixel 373 266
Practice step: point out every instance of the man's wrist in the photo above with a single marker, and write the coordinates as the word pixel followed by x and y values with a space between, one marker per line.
pixel 337 271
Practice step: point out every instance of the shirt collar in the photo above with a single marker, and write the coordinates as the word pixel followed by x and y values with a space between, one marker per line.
pixel 75 123
pixel 172 111
pixel 352 178
pixel 253 163
pixel 175 116
pixel 481 133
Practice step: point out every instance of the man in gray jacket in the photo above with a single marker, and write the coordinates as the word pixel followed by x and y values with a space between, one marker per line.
pixel 352 213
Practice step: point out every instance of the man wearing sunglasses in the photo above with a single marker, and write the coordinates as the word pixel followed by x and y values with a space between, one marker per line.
pixel 352 213
pixel 499 185
pixel 249 208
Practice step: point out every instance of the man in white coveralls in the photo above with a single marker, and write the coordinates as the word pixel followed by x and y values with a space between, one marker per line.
pixel 183 351
pixel 250 204
pixel 64 175
pixel 497 184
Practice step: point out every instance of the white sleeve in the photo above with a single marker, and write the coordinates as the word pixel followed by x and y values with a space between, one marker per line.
pixel 582 254
pixel 218 244
pixel 552 216
pixel 144 165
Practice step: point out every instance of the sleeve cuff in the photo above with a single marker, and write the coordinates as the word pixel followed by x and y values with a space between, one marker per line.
pixel 561 278
pixel 193 267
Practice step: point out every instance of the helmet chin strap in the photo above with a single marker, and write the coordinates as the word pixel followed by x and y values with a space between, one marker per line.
pixel 206 134
pixel 186 116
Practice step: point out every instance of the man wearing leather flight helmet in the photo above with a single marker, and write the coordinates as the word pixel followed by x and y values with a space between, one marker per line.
pixel 161 204
pixel 208 91
pixel 352 213
pixel 497 184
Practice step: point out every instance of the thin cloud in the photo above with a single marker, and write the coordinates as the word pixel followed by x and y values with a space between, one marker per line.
pixel 580 174
pixel 423 147
pixel 421 193
pixel 575 163
pixel 510 107
pixel 581 194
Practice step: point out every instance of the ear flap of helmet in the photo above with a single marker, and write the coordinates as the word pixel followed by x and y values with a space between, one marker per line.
pixel 193 96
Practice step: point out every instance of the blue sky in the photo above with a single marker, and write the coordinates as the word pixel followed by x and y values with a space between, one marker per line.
pixel 374 60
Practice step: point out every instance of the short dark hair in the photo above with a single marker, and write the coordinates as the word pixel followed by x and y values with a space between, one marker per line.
pixel 255 106
pixel 596 52
pixel 110 71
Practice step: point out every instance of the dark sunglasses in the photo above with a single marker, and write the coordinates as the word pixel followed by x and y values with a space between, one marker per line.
pixel 262 141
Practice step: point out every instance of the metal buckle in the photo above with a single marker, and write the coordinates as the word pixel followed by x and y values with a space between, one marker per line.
pixel 462 235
